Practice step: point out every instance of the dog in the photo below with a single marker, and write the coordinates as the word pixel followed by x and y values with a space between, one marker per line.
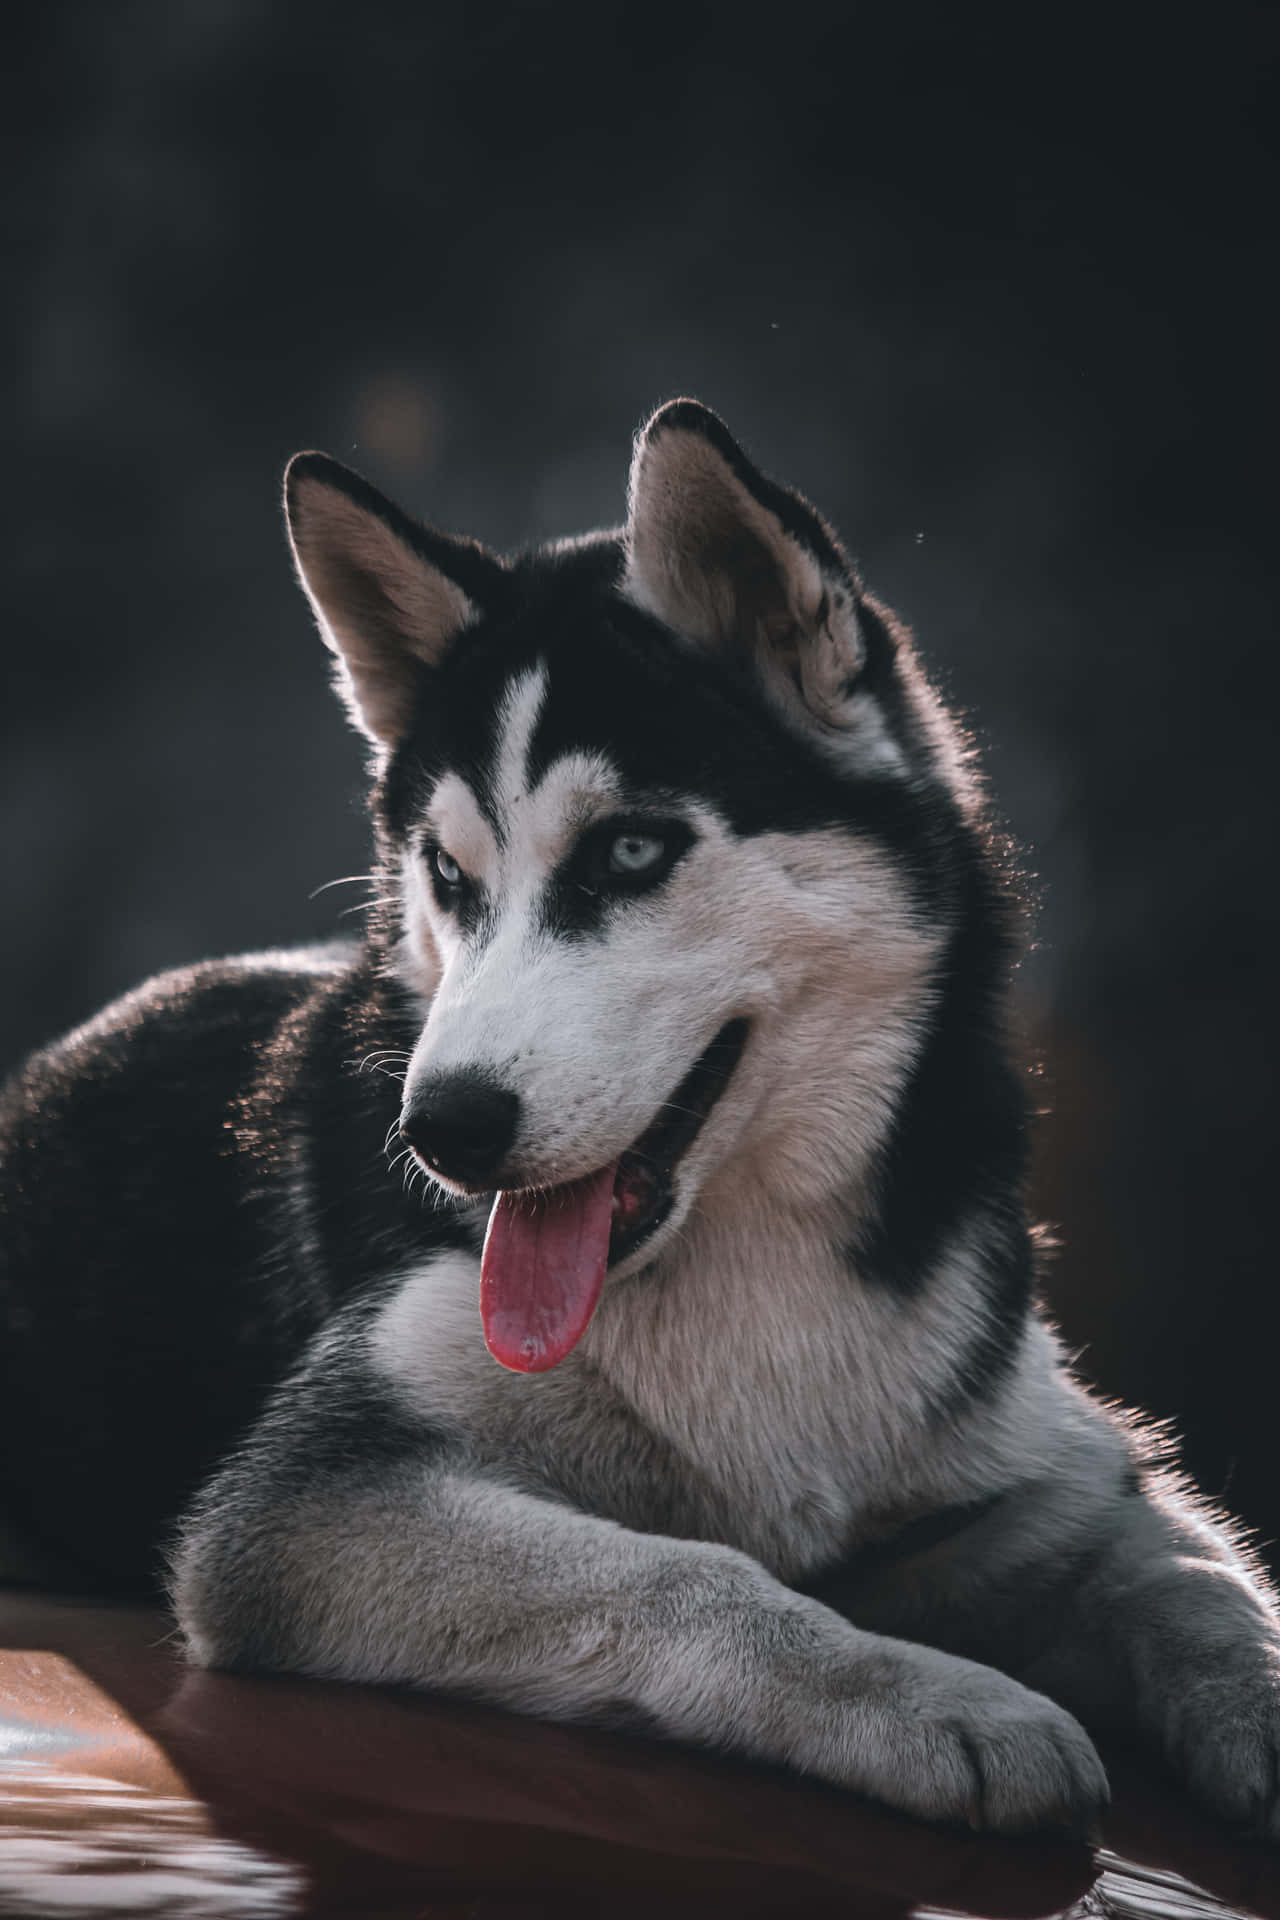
pixel 606 1288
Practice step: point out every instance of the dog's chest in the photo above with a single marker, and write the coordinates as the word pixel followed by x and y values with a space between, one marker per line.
pixel 761 1387
pixel 765 1406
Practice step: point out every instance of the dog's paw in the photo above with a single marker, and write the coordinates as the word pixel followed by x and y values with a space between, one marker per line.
pixel 962 1742
pixel 1221 1732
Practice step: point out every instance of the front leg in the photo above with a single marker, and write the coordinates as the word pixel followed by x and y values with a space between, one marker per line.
pixel 344 1542
pixel 1184 1631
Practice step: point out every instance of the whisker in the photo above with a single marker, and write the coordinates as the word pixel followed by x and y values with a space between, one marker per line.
pixel 347 880
pixel 381 1055
pixel 441 1201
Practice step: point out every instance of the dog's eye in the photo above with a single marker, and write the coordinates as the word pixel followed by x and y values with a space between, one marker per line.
pixel 448 869
pixel 636 852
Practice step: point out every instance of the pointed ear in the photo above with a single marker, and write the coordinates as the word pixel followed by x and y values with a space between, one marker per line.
pixel 734 562
pixel 389 595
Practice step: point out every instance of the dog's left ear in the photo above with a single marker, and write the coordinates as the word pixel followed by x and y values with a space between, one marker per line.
pixel 734 562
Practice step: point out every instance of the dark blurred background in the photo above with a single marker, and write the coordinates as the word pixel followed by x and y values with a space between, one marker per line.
pixel 993 286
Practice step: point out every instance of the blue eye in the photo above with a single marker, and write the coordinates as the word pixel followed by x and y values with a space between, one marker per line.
pixel 636 852
pixel 448 869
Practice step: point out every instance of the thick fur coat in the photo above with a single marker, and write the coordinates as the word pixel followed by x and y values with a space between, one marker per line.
pixel 690 944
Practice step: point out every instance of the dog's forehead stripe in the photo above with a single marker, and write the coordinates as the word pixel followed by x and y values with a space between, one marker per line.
pixel 471 804
pixel 539 809
pixel 518 711
pixel 510 822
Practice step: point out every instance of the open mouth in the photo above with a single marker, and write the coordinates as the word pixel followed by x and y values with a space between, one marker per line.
pixel 642 1188
pixel 547 1251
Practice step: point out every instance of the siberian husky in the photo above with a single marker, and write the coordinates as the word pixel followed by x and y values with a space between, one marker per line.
pixel 606 1289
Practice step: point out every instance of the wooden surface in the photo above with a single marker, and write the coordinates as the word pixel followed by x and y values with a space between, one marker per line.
pixel 130 1784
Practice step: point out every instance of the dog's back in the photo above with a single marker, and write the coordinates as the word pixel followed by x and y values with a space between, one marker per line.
pixel 148 1294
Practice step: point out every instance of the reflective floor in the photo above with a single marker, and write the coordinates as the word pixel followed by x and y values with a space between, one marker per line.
pixel 132 1785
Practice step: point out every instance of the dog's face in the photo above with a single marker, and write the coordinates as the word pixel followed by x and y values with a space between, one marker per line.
pixel 665 812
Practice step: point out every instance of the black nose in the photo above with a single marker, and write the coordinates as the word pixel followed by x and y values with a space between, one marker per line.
pixel 463 1125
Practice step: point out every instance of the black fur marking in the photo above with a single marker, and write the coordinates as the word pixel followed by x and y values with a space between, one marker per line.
pixel 1008 1285
pixel 957 1153
pixel 170 1333
pixel 670 720
pixel 878 675
pixel 584 892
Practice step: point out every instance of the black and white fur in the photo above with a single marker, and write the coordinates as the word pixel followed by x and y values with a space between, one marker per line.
pixel 816 1485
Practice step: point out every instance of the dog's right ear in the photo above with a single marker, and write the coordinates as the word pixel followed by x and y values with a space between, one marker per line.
pixel 389 594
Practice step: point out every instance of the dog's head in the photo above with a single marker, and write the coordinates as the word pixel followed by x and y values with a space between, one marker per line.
pixel 669 814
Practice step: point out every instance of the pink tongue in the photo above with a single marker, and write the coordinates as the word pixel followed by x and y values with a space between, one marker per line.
pixel 542 1270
